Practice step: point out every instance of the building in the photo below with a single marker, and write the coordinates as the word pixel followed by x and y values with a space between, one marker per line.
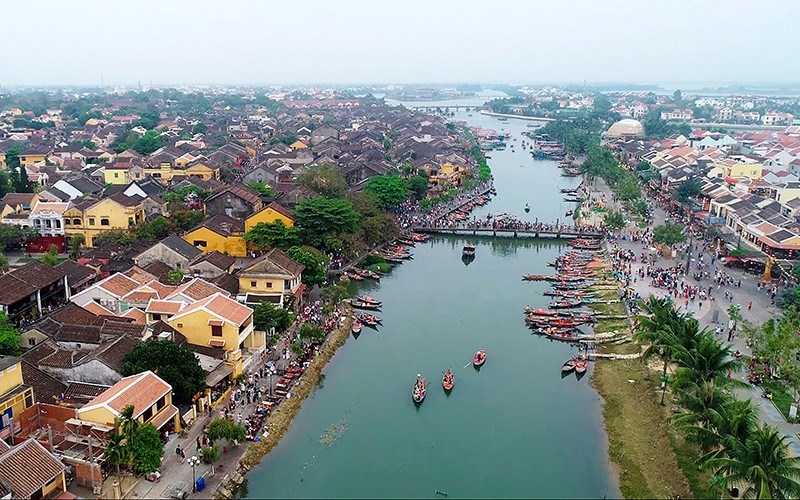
pixel 149 395
pixel 93 216
pixel 777 119
pixel 272 277
pixel 172 251
pixel 28 470
pixel 626 128
pixel 48 218
pixel 27 291
pixel 15 396
pixel 740 168
pixel 238 201
pixel 269 214
pixel 219 233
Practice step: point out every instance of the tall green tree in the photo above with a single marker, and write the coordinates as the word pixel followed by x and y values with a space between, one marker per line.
pixel 177 365
pixel 116 453
pixel 273 235
pixel 76 242
pixel 321 217
pixel 669 234
pixel 323 180
pixel 146 449
pixel 267 316
pixel 50 257
pixel 9 337
pixel 221 428
pixel 315 262
pixel 390 190
pixel 613 220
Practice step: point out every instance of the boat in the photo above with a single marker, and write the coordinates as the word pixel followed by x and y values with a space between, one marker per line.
pixel 369 300
pixel 362 305
pixel 527 208
pixel 581 365
pixel 356 328
pixel 418 392
pixel 479 359
pixel 568 366
pixel 448 380
pixel 568 213
pixel 565 304
pixel 468 251
pixel 369 319
pixel 406 242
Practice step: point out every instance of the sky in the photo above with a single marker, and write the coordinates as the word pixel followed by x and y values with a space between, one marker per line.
pixel 84 42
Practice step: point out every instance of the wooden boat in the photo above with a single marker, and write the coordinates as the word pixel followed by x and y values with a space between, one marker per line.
pixel 539 312
pixel 565 304
pixel 568 366
pixel 534 277
pixel 369 300
pixel 369 319
pixel 527 208
pixel 353 276
pixel 448 380
pixel 581 365
pixel 406 242
pixel 362 305
pixel 356 328
pixel 468 251
pixel 564 334
pixel 419 389
pixel 480 358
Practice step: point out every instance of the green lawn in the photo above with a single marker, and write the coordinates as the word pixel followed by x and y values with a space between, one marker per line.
pixel 781 396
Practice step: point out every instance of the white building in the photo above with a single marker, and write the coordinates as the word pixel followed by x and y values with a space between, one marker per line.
pixel 48 218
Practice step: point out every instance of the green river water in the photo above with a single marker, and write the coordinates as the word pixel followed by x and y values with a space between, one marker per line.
pixel 513 429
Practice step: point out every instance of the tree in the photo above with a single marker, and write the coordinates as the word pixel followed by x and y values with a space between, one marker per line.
pixel 735 314
pixel 273 234
pixel 175 277
pixel 365 203
pixel 262 189
pixel 148 120
pixel 613 220
pixel 677 96
pixel 116 453
pixel 20 181
pixel 267 316
pixel 148 143
pixel 221 428
pixel 199 128
pixel 669 234
pixel 118 236
pixel 335 293
pixel 323 180
pixel 3 262
pixel 628 188
pixel 50 258
pixel 390 190
pixel 76 241
pixel 321 217
pixel 315 262
pixel 761 464
pixel 153 230
pixel 311 333
pixel 688 190
pixel 146 449
pixel 380 228
pixel 418 186
pixel 14 236
pixel 655 328
pixel 9 337
pixel 177 365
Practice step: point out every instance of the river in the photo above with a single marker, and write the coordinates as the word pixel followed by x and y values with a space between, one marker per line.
pixel 513 429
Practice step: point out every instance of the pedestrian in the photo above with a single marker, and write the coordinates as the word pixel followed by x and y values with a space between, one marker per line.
pixel 199 443
pixel 749 305
pixel 180 454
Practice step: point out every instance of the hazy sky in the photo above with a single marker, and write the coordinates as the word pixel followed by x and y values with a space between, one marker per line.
pixel 398 41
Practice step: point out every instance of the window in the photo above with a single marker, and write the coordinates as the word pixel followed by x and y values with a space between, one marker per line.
pixel 216 331
pixel 57 224
pixel 29 399
pixel 200 243
pixel 180 325
pixel 253 284
pixel 31 342
pixel 116 175
pixel 156 317
pixel 91 221
pixel 269 284
pixel 47 223
pixel 76 222
pixel 130 221
pixel 105 222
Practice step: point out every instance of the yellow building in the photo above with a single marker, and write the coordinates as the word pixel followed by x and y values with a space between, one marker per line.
pixel 202 170
pixel 449 174
pixel 113 175
pixel 221 322
pixel 271 213
pixel 26 159
pixel 297 145
pixel 28 470
pixel 93 217
pixel 149 395
pixel 273 277
pixel 219 233
pixel 15 396
pixel 740 168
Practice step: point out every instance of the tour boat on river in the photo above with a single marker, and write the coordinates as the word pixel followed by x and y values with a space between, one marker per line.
pixel 480 358
pixel 356 328
pixel 418 392
pixel 448 380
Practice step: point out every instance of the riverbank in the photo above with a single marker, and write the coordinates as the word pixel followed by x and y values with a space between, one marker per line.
pixel 281 419
pixel 518 117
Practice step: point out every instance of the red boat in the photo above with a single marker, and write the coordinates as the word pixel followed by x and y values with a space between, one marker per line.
pixel 448 380
pixel 534 277
pixel 369 300
pixel 480 358
pixel 418 392
pixel 540 312
pixel 581 365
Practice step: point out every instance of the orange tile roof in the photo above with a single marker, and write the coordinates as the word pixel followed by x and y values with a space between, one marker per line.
pixel 27 467
pixel 139 317
pixel 118 284
pixel 138 274
pixel 164 306
pixel 95 308
pixel 223 307
pixel 141 391
pixel 197 289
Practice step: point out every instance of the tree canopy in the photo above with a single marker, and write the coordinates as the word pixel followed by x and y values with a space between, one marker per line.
pixel 669 234
pixel 324 180
pixel 9 337
pixel 390 190
pixel 267 316
pixel 177 365
pixel 13 236
pixel 272 235
pixel 321 217
pixel 315 262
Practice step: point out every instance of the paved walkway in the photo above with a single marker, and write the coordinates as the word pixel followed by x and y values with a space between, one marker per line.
pixel 762 309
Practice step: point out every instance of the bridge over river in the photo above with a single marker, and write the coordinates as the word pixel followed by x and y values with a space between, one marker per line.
pixel 568 232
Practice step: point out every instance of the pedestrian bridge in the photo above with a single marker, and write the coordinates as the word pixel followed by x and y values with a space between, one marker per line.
pixel 563 233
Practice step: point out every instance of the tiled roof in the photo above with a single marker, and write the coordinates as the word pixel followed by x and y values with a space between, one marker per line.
pixel 273 262
pixel 222 225
pixel 216 259
pixel 84 334
pixel 76 273
pixel 80 393
pixel 22 282
pixel 141 391
pixel 139 275
pixel 27 467
pixel 113 354
pixel 181 246
pixel 164 306
pixel 197 289
pixel 137 315
pixel 46 389
pixel 118 284
pixel 222 306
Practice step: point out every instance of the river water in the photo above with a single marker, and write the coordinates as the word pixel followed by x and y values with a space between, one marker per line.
pixel 513 429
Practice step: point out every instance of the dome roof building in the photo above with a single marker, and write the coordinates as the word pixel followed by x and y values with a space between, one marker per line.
pixel 625 128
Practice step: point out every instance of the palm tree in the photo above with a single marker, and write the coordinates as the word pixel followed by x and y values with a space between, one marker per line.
pixel 704 359
pixel 705 403
pixel 116 452
pixel 760 465
pixel 655 328
pixel 734 419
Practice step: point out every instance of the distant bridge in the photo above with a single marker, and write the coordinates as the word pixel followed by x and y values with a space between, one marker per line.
pixel 445 108
pixel 565 233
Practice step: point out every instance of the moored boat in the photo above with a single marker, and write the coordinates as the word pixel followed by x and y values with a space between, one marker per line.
pixel 480 358
pixel 355 329
pixel 369 300
pixel 363 305
pixel 448 380
pixel 468 251
pixel 581 365
pixel 418 392
pixel 568 366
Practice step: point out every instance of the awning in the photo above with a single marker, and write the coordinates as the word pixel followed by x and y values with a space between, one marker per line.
pixel 300 290
pixel 163 416
pixel 215 322
pixel 216 343
pixel 219 374
pixel 255 298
